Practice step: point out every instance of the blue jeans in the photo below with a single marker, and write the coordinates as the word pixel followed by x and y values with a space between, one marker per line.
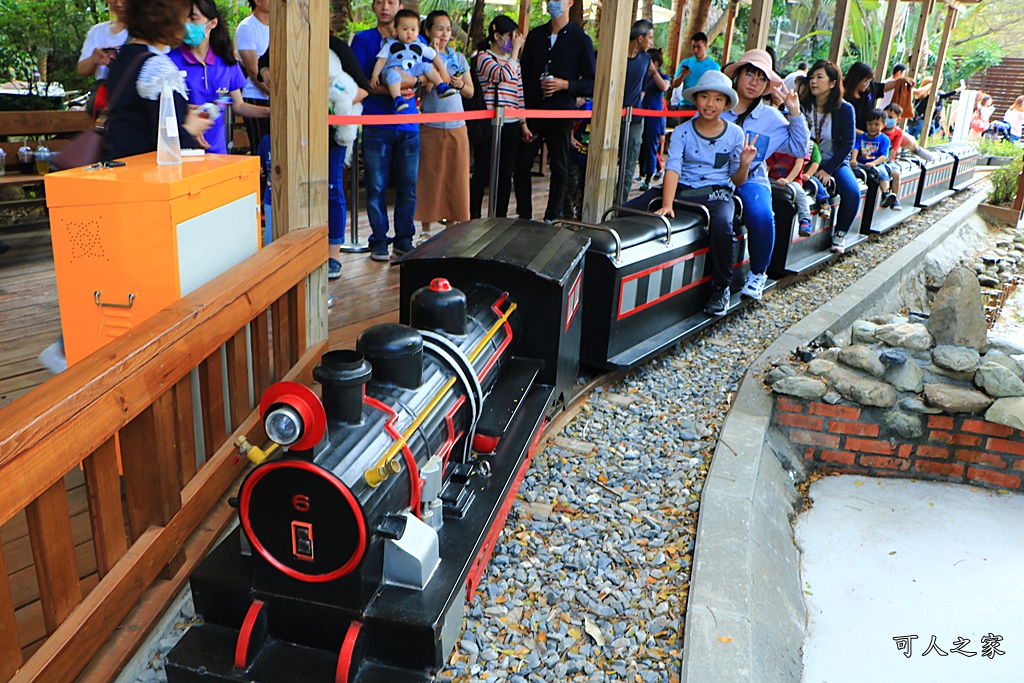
pixel 760 223
pixel 849 195
pixel 821 194
pixel 390 153
pixel 336 210
pixel 268 230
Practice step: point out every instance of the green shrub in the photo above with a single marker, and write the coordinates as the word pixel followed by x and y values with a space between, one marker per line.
pixel 999 148
pixel 1004 183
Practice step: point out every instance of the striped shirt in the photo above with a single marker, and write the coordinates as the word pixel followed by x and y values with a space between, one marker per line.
pixel 501 80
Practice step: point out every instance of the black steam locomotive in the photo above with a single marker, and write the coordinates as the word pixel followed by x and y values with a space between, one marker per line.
pixel 359 547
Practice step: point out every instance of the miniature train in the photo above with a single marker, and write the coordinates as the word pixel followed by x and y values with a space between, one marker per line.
pixel 360 545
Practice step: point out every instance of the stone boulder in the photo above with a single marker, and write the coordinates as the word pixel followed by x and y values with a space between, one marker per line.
pixel 820 367
pixel 1007 362
pixel 801 387
pixel 956 358
pixel 998 381
pixel 916 405
pixel 953 399
pixel 958 313
pixel 906 377
pixel 862 390
pixel 913 336
pixel 907 426
pixel 860 357
pixel 1007 411
pixel 863 332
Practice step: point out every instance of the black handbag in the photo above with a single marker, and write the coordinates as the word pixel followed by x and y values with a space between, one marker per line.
pixel 479 130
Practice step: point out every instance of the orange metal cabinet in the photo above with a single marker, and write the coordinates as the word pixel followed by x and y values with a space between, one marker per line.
pixel 129 241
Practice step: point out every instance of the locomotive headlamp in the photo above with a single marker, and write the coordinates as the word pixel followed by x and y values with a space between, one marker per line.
pixel 293 415
pixel 284 425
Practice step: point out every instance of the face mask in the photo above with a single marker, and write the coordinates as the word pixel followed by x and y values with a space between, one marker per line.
pixel 890 123
pixel 555 9
pixel 507 47
pixel 195 34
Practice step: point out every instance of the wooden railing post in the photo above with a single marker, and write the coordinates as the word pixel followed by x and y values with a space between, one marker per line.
pixel 53 550
pixel 103 488
pixel 10 646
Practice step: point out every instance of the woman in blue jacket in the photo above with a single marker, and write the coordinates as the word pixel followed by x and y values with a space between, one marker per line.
pixel 832 127
pixel 753 78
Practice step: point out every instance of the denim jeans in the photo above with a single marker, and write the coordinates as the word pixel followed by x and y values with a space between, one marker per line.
pixel 336 209
pixel 390 153
pixel 760 223
pixel 634 137
pixel 849 193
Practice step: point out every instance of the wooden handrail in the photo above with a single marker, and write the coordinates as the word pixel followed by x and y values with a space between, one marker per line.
pixel 44 122
pixel 135 391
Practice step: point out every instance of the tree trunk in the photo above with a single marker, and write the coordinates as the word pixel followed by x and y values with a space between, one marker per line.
pixel 341 15
pixel 649 10
pixel 632 15
pixel 476 23
pixel 718 27
pixel 674 27
pixel 695 24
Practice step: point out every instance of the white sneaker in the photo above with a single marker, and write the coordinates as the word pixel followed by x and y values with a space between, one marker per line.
pixel 754 286
pixel 53 358
pixel 839 242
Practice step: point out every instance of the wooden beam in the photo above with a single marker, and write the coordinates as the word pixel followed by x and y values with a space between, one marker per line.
pixel 524 15
pixel 760 24
pixel 933 94
pixel 730 29
pixel 922 28
pixel 299 32
pixel 839 25
pixel 603 154
pixel 53 550
pixel 885 47
pixel 46 122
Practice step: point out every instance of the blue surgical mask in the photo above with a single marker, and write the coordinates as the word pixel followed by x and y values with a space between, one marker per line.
pixel 555 9
pixel 195 34
pixel 890 123
pixel 506 47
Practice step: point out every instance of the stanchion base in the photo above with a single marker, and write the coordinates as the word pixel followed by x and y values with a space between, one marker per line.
pixel 358 247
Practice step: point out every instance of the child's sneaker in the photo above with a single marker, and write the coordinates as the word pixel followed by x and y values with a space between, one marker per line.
pixel 839 242
pixel 805 227
pixel 887 199
pixel 825 211
pixel 400 104
pixel 718 304
pixel 445 90
pixel 896 206
pixel 754 286
pixel 53 358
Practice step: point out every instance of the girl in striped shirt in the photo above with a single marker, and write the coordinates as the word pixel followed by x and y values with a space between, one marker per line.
pixel 497 67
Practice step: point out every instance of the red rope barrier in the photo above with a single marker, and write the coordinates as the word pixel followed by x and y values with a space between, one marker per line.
pixel 398 119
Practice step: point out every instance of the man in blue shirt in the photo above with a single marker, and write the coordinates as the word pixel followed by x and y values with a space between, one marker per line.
pixel 692 68
pixel 639 72
pixel 390 150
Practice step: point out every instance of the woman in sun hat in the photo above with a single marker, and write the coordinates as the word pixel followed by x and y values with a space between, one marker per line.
pixel 753 78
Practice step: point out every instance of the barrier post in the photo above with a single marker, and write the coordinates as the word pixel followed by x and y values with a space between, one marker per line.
pixel 354 245
pixel 499 120
pixel 625 175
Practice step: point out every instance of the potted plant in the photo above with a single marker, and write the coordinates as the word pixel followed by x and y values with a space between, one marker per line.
pixel 999 152
pixel 999 207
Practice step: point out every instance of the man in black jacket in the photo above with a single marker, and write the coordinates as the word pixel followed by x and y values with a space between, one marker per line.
pixel 558 66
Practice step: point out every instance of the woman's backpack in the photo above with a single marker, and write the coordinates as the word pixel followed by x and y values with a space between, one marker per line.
pixel 479 130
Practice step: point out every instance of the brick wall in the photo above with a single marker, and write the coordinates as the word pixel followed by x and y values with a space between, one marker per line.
pixel 961 448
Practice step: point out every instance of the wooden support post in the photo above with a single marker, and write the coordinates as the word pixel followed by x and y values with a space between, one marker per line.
pixel 299 32
pixel 730 27
pixel 603 154
pixel 933 95
pixel 10 646
pixel 53 550
pixel 885 47
pixel 916 61
pixel 839 25
pixel 524 16
pixel 103 491
pixel 760 24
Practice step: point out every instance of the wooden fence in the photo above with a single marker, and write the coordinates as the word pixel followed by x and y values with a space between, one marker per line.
pixel 1004 82
pixel 125 414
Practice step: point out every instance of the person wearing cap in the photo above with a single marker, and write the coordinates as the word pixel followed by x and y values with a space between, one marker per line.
pixel 753 78
pixel 832 122
pixel 707 156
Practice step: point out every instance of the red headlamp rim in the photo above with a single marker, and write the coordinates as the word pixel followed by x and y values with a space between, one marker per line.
pixel 306 403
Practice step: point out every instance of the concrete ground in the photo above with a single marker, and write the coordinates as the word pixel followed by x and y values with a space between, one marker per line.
pixel 886 558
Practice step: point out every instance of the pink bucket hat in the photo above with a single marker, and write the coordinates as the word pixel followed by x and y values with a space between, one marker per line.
pixel 758 59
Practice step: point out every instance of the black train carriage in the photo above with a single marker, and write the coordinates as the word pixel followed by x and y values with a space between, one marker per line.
pixel 793 253
pixel 937 179
pixel 881 219
pixel 966 158
pixel 360 546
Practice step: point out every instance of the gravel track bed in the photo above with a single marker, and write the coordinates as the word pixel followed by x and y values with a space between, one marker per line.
pixel 589 579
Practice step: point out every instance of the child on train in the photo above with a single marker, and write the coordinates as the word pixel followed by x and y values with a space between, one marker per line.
pixel 707 158
pixel 825 200
pixel 787 171
pixel 871 150
pixel 893 112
